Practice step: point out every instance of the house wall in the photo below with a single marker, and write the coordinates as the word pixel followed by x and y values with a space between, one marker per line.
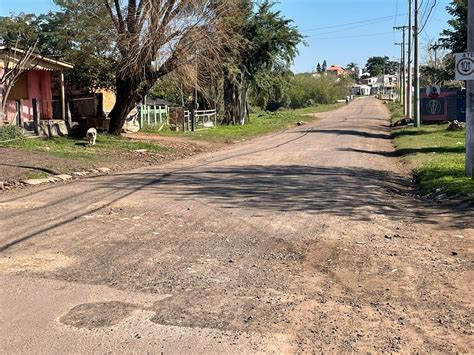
pixel 39 87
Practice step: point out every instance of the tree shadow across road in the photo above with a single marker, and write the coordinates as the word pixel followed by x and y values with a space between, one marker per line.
pixel 407 151
pixel 355 193
pixel 349 132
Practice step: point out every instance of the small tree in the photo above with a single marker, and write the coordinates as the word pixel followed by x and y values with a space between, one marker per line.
pixel 318 68
pixel 16 62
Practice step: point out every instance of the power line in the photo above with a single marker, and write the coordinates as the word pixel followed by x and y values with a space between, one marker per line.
pixel 356 36
pixel 428 17
pixel 350 28
pixel 350 23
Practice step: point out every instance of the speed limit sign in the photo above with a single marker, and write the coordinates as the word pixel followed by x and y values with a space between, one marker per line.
pixel 464 66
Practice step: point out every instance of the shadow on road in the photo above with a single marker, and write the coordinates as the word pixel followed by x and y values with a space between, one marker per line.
pixel 353 193
pixel 351 133
pixel 407 151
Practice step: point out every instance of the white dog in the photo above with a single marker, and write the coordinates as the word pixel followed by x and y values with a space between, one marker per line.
pixel 91 135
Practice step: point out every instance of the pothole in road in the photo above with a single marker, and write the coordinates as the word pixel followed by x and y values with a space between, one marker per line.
pixel 97 315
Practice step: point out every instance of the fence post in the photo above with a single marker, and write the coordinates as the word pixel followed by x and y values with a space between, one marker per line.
pixel 159 114
pixel 154 116
pixel 193 120
pixel 36 115
pixel 19 119
pixel 140 110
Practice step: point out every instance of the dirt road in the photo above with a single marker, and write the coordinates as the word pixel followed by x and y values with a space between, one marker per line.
pixel 306 240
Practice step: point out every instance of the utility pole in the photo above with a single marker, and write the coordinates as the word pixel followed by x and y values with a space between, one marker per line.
pixel 409 84
pixel 417 119
pixel 401 79
pixel 403 82
pixel 470 97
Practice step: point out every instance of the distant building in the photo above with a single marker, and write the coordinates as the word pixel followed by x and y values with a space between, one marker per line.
pixel 336 71
pixel 363 90
pixel 370 81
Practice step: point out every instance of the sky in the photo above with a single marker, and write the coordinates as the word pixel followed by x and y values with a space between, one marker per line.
pixel 339 32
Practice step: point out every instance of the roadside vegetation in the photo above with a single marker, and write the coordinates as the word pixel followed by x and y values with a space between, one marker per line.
pixel 49 156
pixel 259 124
pixel 437 157
pixel 77 148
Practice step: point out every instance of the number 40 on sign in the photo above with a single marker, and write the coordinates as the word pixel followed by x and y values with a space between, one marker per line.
pixel 465 66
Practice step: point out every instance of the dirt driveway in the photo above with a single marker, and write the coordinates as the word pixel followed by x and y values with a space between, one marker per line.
pixel 301 241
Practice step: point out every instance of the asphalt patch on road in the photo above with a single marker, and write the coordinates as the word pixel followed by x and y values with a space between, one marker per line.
pixel 97 315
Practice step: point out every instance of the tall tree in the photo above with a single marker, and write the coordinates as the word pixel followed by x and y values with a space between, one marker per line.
pixel 377 66
pixel 148 39
pixel 454 38
pixel 318 68
pixel 324 66
pixel 269 41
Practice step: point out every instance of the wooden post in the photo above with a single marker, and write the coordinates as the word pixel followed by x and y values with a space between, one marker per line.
pixel 160 115
pixel 19 118
pixel 63 98
pixel 36 114
pixel 140 113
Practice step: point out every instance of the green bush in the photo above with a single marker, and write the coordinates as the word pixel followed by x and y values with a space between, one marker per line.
pixel 8 132
pixel 307 90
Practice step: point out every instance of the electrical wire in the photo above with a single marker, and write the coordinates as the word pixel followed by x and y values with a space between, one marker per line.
pixel 355 36
pixel 428 16
pixel 350 23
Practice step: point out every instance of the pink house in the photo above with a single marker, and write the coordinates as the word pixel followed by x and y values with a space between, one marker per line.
pixel 31 97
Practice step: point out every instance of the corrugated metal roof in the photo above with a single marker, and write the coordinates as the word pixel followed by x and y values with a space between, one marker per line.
pixel 36 61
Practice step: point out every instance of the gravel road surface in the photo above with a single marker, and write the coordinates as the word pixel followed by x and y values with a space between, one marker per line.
pixel 307 240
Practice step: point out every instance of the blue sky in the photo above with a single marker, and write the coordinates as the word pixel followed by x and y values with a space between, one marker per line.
pixel 369 32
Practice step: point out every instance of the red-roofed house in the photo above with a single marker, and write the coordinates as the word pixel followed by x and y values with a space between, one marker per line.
pixel 336 71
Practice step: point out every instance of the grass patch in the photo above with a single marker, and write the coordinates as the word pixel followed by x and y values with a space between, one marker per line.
pixel 9 132
pixel 77 148
pixel 260 124
pixel 319 108
pixel 437 157
pixel 396 110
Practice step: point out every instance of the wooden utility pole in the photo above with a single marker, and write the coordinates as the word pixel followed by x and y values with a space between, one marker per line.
pixel 409 62
pixel 470 97
pixel 417 120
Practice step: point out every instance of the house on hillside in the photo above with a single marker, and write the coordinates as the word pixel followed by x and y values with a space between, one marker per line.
pixel 335 71
pixel 30 102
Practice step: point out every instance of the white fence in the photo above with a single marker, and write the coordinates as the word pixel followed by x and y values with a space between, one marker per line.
pixel 202 118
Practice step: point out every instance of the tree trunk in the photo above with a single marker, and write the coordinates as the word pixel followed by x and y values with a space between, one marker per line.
pixel 235 102
pixel 125 101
